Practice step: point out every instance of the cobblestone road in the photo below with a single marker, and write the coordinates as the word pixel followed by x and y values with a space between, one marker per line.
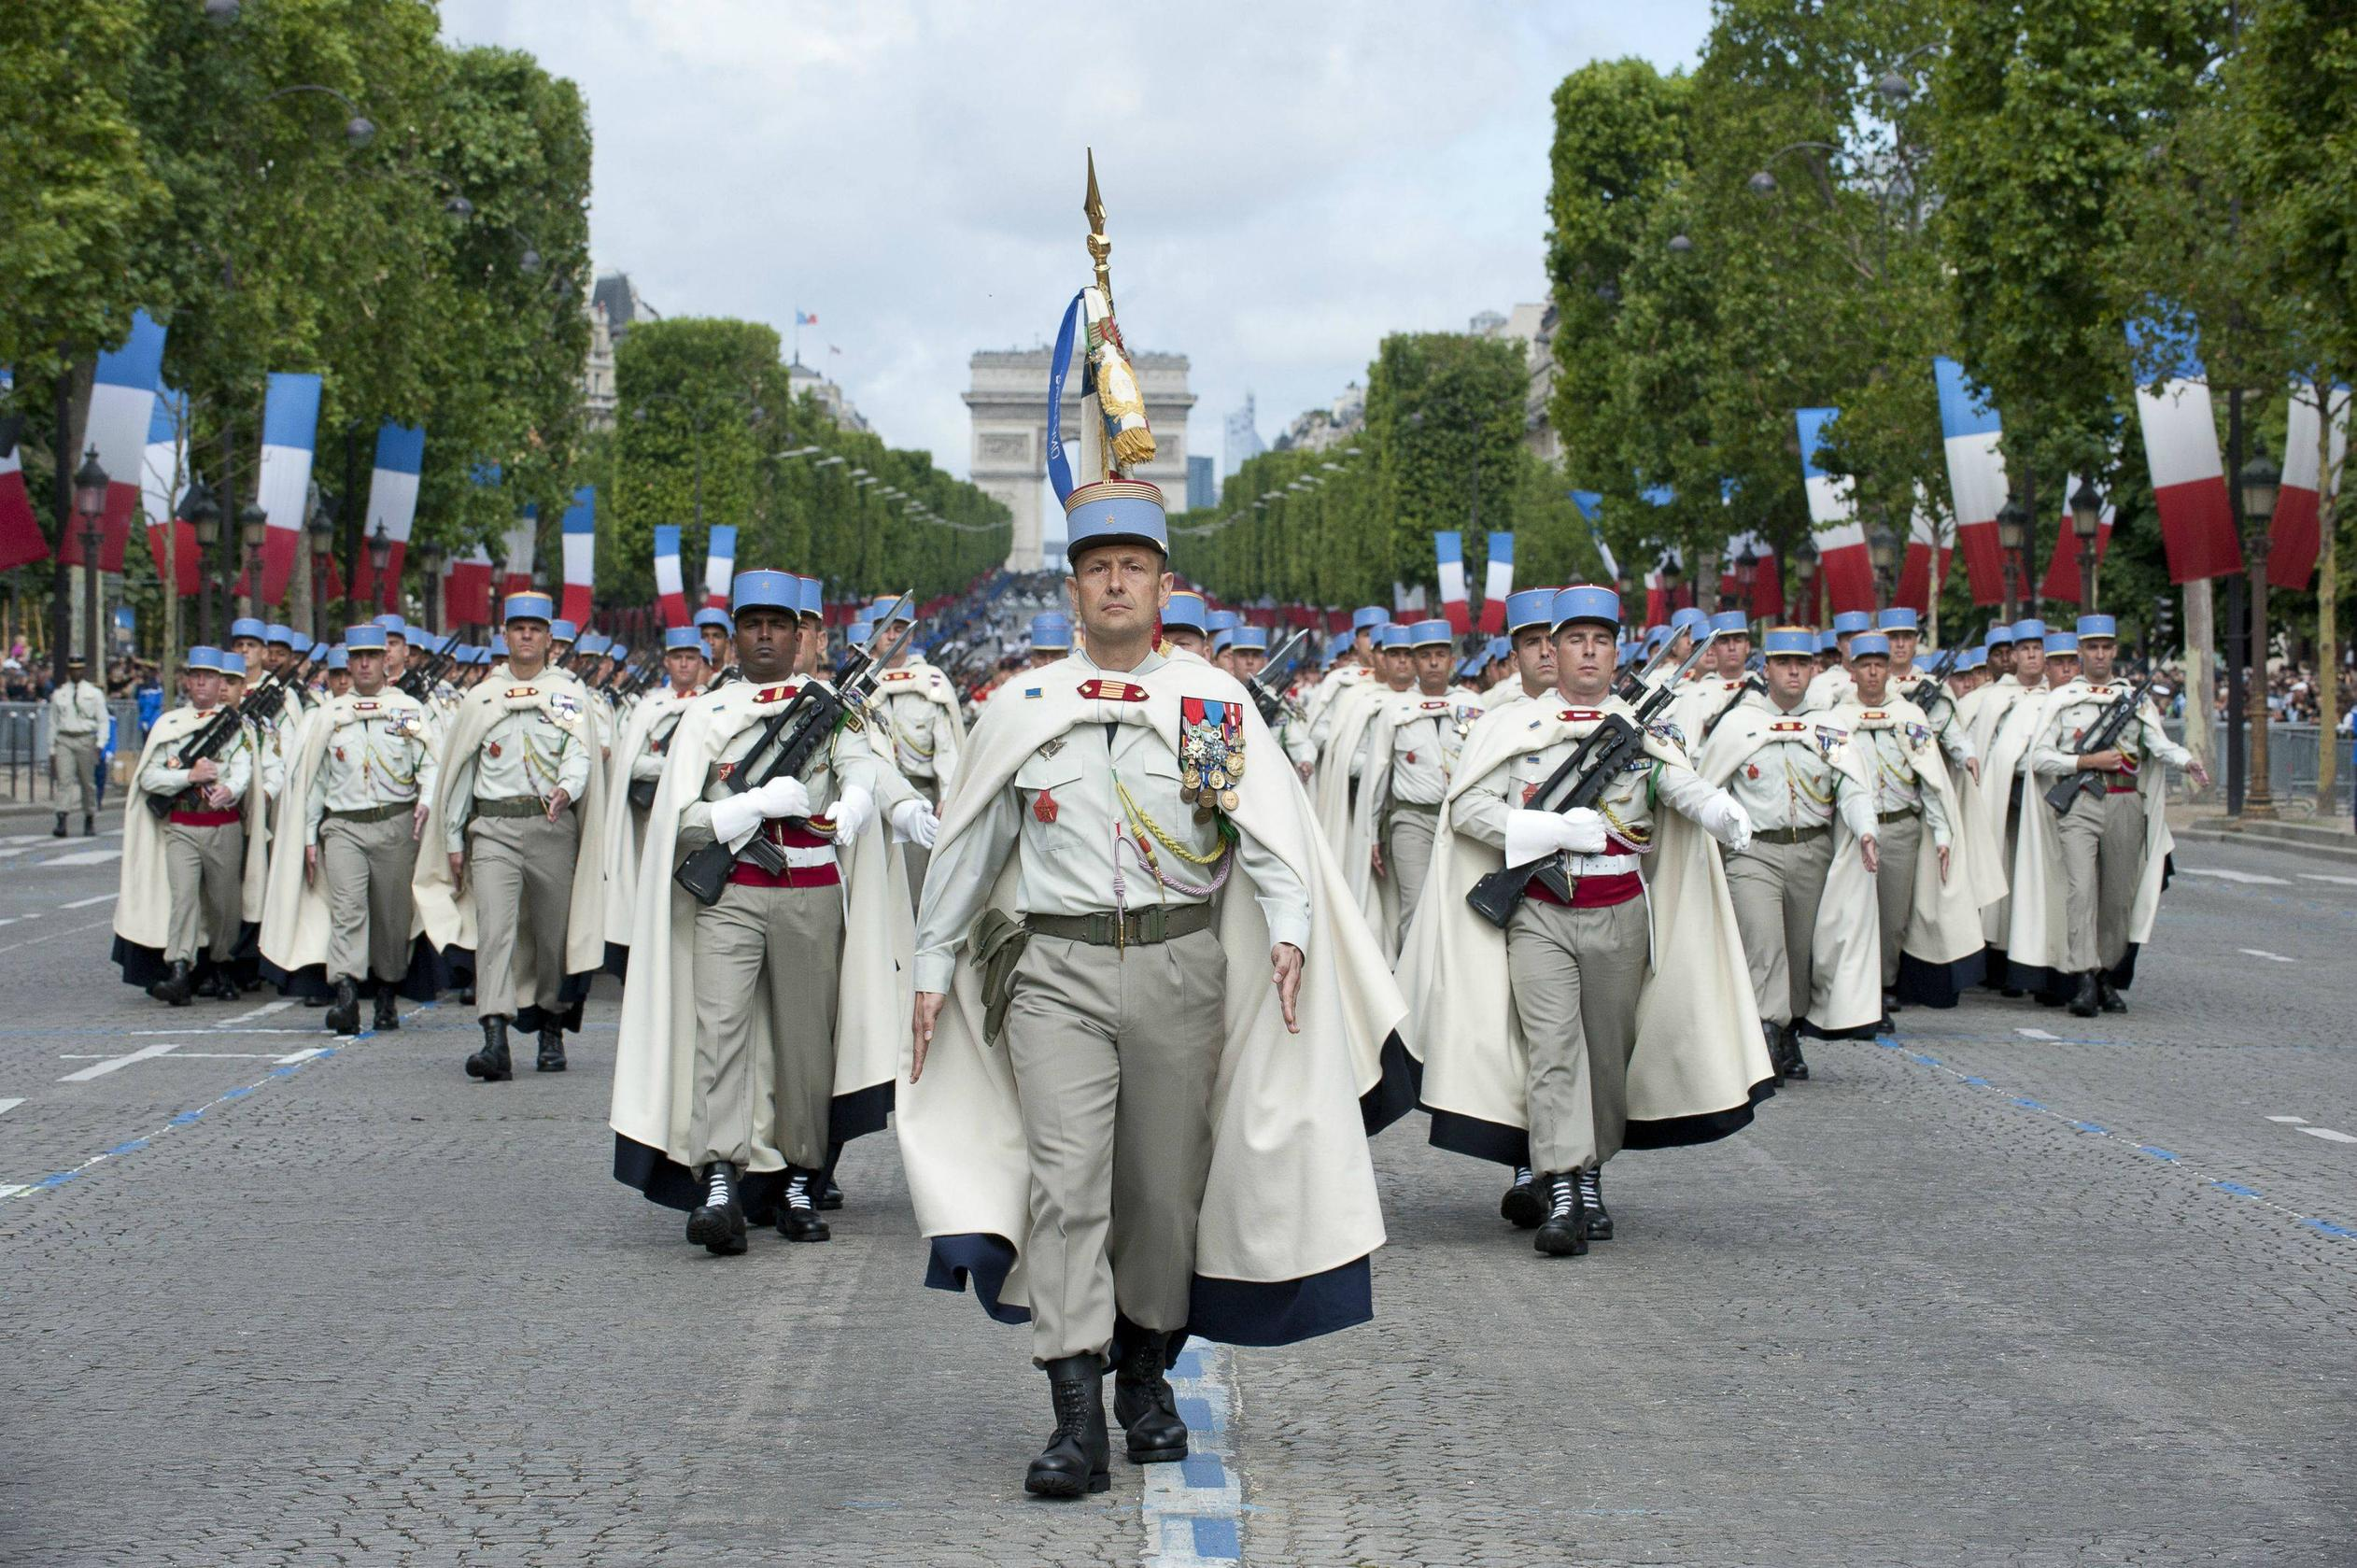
pixel 1974 1295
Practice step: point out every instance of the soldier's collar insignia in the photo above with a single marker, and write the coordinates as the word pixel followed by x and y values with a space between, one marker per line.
pixel 1582 715
pixel 1432 703
pixel 1872 714
pixel 364 706
pixel 900 676
pixel 1786 726
pixel 1049 748
pixel 783 692
pixel 523 691
pixel 1098 689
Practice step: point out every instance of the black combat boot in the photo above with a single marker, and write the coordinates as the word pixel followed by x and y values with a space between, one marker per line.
pixel 552 1048
pixel 1591 1201
pixel 1079 1456
pixel 1523 1207
pixel 387 1007
pixel 221 986
pixel 797 1210
pixel 343 1014
pixel 59 831
pixel 173 987
pixel 1796 1067
pixel 2087 1000
pixel 2107 997
pixel 491 1063
pixel 1777 1058
pixel 830 1197
pixel 1565 1231
pixel 718 1223
pixel 89 825
pixel 1143 1403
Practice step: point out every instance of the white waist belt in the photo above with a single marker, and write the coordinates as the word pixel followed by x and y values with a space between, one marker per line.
pixel 1600 865
pixel 802 858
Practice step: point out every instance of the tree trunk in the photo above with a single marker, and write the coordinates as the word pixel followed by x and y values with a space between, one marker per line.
pixel 2327 606
pixel 2201 680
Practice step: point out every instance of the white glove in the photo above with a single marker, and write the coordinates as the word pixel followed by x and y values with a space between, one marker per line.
pixel 1726 821
pixel 785 797
pixel 854 809
pixel 734 817
pixel 1535 835
pixel 913 822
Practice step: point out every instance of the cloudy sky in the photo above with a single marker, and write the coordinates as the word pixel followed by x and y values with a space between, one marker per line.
pixel 1284 183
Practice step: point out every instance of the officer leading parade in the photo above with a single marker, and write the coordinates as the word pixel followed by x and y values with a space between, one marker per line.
pixel 1677 927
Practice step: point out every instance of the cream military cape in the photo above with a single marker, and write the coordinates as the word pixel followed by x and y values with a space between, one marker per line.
pixel 1333 684
pixel 1699 1063
pixel 624 834
pixel 1380 897
pixel 143 904
pixel 294 912
pixel 1353 708
pixel 1701 702
pixel 448 911
pixel 655 1053
pixel 1290 1213
pixel 2037 945
pixel 2015 723
pixel 1505 691
pixel 1940 947
pixel 916 678
pixel 1846 981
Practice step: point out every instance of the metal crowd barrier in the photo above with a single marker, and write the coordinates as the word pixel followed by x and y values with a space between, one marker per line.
pixel 24 750
pixel 2292 767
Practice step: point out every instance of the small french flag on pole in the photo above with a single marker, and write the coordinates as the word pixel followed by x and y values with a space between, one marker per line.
pixel 1499 584
pixel 669 593
pixel 163 481
pixel 289 427
pixel 2292 538
pixel 122 400
pixel 393 502
pixel 1843 566
pixel 581 554
pixel 2061 584
pixel 21 538
pixel 522 545
pixel 1930 543
pixel 1448 549
pixel 2181 442
pixel 1970 430
pixel 467 594
pixel 720 565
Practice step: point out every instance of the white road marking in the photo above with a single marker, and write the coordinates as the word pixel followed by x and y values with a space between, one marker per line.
pixel 262 1011
pixel 83 857
pixel 2290 1120
pixel 35 942
pixel 116 1063
pixel 11 1192
pixel 2318 876
pixel 2220 872
pixel 2037 1035
pixel 2263 953
pixel 85 903
pixel 301 1055
pixel 7 1106
pixel 2328 1135
pixel 181 1056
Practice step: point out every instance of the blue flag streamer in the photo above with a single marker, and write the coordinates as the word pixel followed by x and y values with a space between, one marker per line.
pixel 1059 469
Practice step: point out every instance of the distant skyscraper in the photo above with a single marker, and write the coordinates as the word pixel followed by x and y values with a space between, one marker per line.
pixel 1244 439
pixel 1203 486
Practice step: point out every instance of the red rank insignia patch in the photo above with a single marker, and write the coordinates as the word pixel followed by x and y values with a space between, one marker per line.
pixel 1411 756
pixel 1530 793
pixel 1044 807
pixel 1751 770
pixel 1113 691
pixel 777 694
pixel 493 748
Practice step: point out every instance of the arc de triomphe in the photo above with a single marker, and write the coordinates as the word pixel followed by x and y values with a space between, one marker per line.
pixel 1009 402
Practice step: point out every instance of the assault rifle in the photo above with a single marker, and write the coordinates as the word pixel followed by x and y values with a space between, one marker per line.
pixel 1592 764
pixel 1751 684
pixel 1268 686
pixel 2064 792
pixel 789 741
pixel 1935 681
pixel 259 704
pixel 419 680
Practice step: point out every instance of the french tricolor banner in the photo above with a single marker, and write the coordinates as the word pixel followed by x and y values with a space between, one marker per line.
pixel 2061 584
pixel 163 480
pixel 1591 511
pixel 668 592
pixel 1661 595
pixel 522 544
pixel 21 539
pixel 122 398
pixel 720 565
pixel 2292 538
pixel 581 554
pixel 289 427
pixel 1970 429
pixel 466 593
pixel 1448 549
pixel 2181 445
pixel 393 502
pixel 1766 600
pixel 1843 566
pixel 1931 540
pixel 1497 585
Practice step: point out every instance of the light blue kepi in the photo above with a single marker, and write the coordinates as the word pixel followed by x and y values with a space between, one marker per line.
pixel 1113 512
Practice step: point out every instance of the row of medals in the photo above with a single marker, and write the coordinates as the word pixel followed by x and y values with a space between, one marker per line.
pixel 1208 772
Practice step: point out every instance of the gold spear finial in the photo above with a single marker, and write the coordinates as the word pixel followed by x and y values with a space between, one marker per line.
pixel 1100 249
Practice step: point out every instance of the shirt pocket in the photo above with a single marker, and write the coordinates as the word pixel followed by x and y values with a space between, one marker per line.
pixel 1049 788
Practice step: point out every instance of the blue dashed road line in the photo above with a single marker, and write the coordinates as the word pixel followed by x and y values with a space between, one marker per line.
pixel 1193 1511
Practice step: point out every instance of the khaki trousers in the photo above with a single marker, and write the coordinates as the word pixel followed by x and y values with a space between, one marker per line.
pixel 1114 1052
pixel 766 955
pixel 206 867
pixel 1776 889
pixel 522 871
pixel 2103 857
pixel 1407 855
pixel 75 759
pixel 1575 976
pixel 1897 841
pixel 365 869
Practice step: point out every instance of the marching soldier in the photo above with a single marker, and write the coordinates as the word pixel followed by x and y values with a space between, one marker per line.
pixel 1342 752
pixel 1357 668
pixel 78 728
pixel 1050 638
pixel 1410 750
pixel 1721 681
pixel 509 874
pixel 925 730
pixel 2012 718
pixel 1218 627
pixel 639 754
pixel 1183 623
pixel 719 634
pixel 339 672
pixel 1803 899
pixel 1834 685
pixel 1531 647
pixel 1903 630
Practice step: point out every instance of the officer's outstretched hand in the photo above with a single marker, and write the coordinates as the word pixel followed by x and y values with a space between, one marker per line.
pixel 417 822
pixel 310 864
pixel 1871 853
pixel 557 804
pixel 1284 956
pixel 458 868
pixel 928 1008
pixel 1944 863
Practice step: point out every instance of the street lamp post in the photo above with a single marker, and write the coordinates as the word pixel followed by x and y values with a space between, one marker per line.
pixel 2012 527
pixel 205 517
pixel 90 505
pixel 1804 575
pixel 320 531
pixel 2260 480
pixel 253 530
pixel 380 556
pixel 1881 549
pixel 2086 521
pixel 430 563
pixel 1746 573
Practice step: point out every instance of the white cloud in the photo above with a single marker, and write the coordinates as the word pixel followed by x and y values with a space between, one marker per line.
pixel 1284 184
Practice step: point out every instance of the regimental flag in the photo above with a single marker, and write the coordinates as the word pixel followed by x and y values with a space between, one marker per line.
pixel 21 540
pixel 122 397
pixel 393 502
pixel 290 430
pixel 1843 566
pixel 720 565
pixel 1448 549
pixel 522 544
pixel 2181 445
pixel 1970 429
pixel 1931 540
pixel 2292 540
pixel 1591 510
pixel 466 593
pixel 1497 585
pixel 2061 584
pixel 163 480
pixel 669 594
pixel 581 554
pixel 806 318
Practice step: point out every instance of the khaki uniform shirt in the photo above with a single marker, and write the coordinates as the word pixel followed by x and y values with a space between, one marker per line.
pixel 1790 782
pixel 844 761
pixel 383 755
pixel 1427 738
pixel 1626 803
pixel 526 754
pixel 923 735
pixel 163 776
pixel 2077 708
pixel 1881 736
pixel 78 709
